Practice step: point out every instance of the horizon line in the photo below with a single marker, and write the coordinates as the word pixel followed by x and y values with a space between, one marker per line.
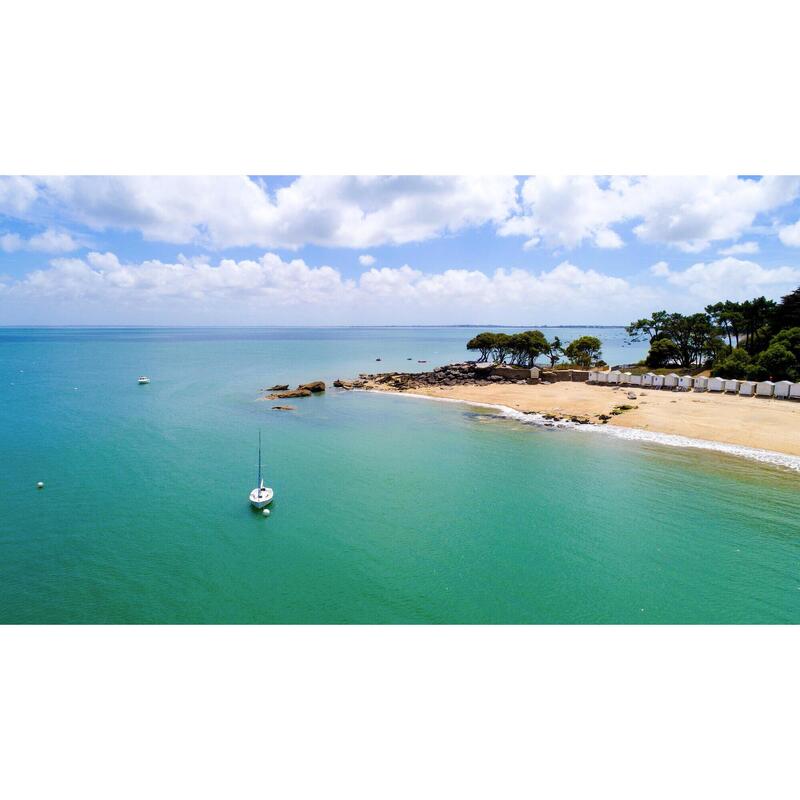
pixel 376 325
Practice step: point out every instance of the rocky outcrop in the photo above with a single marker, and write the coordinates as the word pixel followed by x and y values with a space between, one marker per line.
pixel 465 373
pixel 283 408
pixel 279 387
pixel 314 386
pixel 341 383
pixel 299 392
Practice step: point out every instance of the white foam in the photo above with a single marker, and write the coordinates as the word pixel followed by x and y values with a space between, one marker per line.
pixel 619 432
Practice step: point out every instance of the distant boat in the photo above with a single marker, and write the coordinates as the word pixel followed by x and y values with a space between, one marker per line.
pixel 262 495
pixel 143 379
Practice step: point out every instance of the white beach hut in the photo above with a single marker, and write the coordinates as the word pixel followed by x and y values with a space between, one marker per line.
pixel 626 378
pixel 658 381
pixel 747 389
pixel 700 383
pixel 647 379
pixel 794 391
pixel 602 377
pixel 765 389
pixel 686 381
pixel 635 380
pixel 614 376
pixel 732 385
pixel 716 385
pixel 782 389
pixel 671 381
pixel 592 376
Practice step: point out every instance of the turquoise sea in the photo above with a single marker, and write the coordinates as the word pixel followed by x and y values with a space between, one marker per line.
pixel 388 509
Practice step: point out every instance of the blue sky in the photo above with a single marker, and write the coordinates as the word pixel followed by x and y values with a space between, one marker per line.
pixel 371 250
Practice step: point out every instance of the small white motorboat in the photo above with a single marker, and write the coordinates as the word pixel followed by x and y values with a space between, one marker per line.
pixel 143 379
pixel 262 495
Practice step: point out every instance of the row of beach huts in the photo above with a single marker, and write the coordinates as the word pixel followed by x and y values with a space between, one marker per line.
pixel 784 390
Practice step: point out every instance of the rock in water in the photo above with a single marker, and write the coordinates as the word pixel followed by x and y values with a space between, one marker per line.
pixel 283 408
pixel 279 387
pixel 292 393
pixel 314 386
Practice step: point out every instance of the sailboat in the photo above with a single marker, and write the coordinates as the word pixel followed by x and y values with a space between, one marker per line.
pixel 262 495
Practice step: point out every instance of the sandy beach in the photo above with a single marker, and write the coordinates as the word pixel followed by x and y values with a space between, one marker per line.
pixel 767 424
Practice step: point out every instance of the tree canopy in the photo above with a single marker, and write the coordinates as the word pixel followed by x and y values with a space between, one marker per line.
pixel 585 350
pixel 522 348
pixel 755 339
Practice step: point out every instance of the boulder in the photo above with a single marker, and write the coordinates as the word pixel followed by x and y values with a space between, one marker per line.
pixel 314 386
pixel 283 408
pixel 279 387
pixel 342 384
pixel 293 393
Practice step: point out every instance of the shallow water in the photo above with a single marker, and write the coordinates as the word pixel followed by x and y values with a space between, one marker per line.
pixel 387 509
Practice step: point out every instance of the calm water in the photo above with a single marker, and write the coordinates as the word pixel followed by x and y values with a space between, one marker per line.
pixel 388 509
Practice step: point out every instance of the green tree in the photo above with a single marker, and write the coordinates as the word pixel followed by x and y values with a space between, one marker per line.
pixel 787 312
pixel 484 343
pixel 584 350
pixel 735 365
pixel 790 339
pixel 663 352
pixel 727 316
pixel 501 347
pixel 757 317
pixel 554 351
pixel 776 363
pixel 526 347
pixel 650 328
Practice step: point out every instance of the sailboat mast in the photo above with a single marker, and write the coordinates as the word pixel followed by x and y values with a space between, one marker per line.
pixel 259 459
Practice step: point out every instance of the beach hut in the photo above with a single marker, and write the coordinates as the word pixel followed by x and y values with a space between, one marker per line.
pixel 747 389
pixel 782 389
pixel 658 381
pixel 635 380
pixel 614 376
pixel 716 385
pixel 592 376
pixel 794 391
pixel 765 389
pixel 647 379
pixel 732 386
pixel 686 382
pixel 671 381
pixel 626 378
pixel 700 383
pixel 602 377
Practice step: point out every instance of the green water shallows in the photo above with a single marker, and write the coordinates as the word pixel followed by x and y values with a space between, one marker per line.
pixel 388 509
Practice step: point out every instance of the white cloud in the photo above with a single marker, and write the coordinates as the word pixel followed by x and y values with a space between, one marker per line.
pixel 727 279
pixel 17 194
pixel 743 248
pixel 607 238
pixel 49 241
pixel 11 242
pixel 221 212
pixel 790 234
pixel 270 289
pixel 685 212
pixel 366 260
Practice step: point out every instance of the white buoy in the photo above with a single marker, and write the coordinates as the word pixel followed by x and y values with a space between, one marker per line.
pixel 266 512
pixel 40 485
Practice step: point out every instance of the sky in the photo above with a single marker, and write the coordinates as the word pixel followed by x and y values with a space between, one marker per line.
pixel 406 250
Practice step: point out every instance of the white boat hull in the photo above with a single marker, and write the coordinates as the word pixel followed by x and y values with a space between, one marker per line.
pixel 261 498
